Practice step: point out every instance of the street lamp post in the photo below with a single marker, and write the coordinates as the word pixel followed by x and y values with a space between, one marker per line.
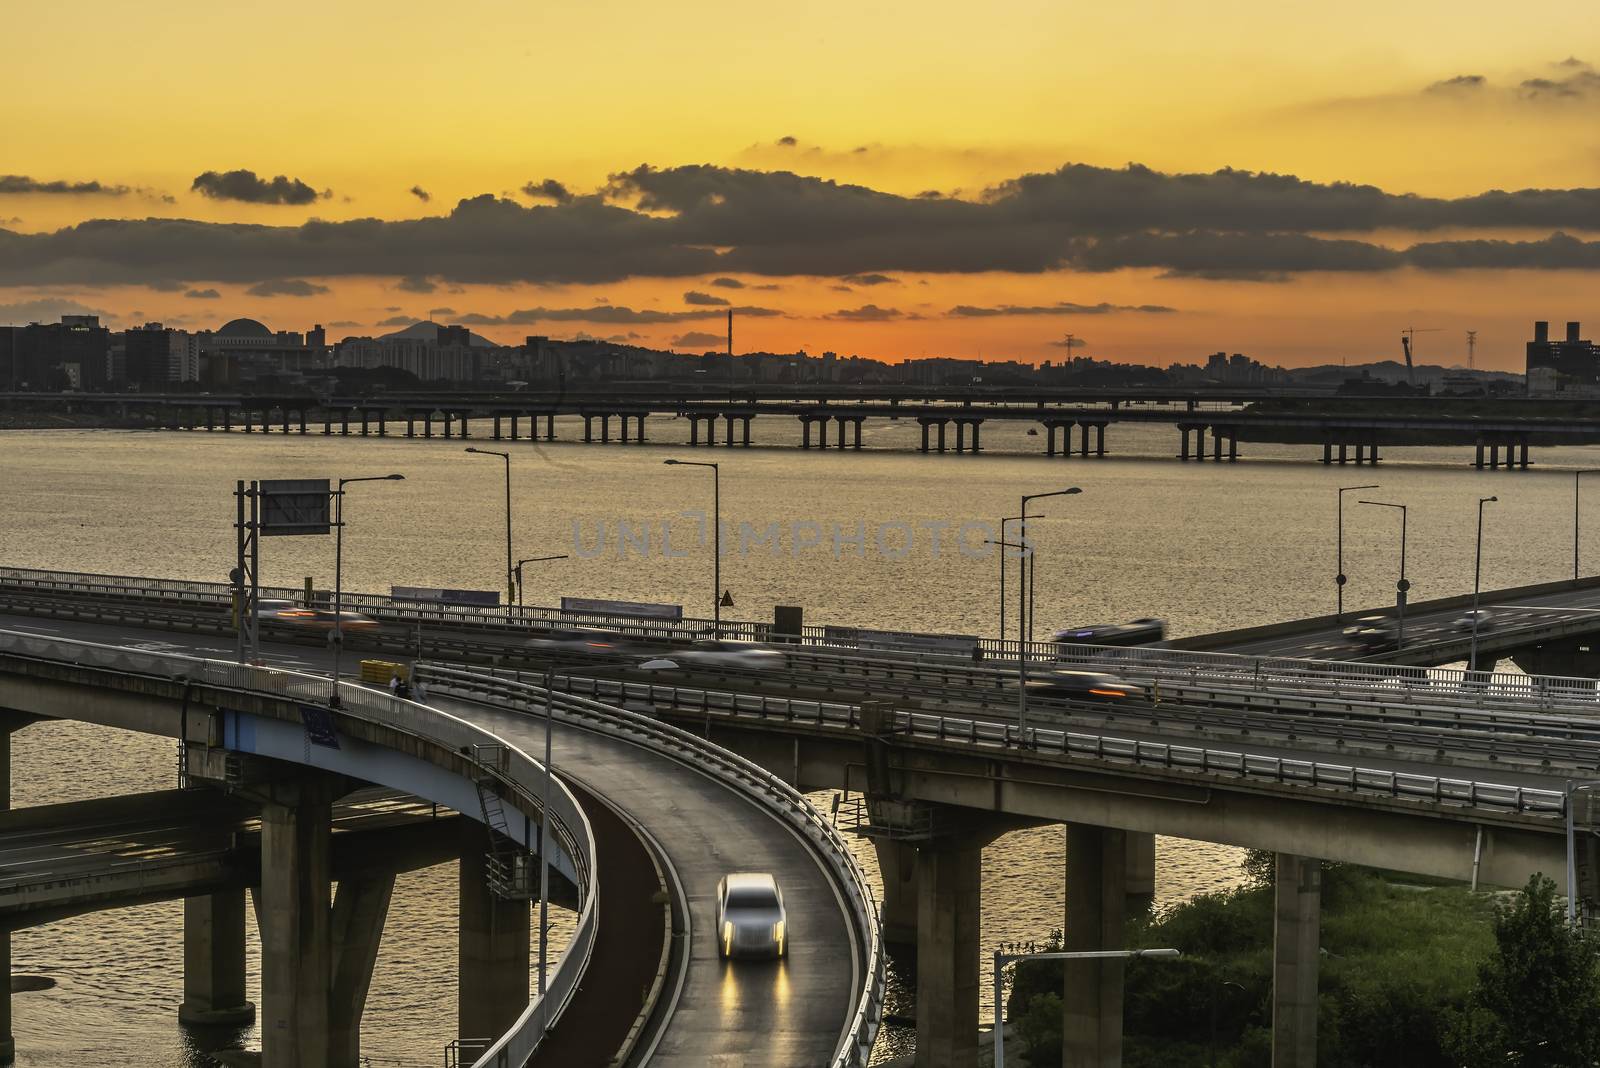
pixel 511 586
pixel 1339 578
pixel 338 572
pixel 1477 576
pixel 1003 959
pixel 1024 602
pixel 1022 674
pixel 1402 586
pixel 1577 477
pixel 518 570
pixel 716 536
pixel 1004 520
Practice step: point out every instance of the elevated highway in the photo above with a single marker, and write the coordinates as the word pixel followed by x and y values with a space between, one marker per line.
pixel 820 1007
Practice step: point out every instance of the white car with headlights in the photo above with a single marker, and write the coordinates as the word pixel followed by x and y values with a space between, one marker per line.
pixel 751 921
pixel 730 653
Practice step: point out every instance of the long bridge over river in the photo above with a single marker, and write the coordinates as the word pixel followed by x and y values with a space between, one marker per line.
pixel 1210 424
pixel 1372 760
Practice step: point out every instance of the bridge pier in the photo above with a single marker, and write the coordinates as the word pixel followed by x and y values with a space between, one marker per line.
pixel 296 944
pixel 492 951
pixel 1297 919
pixel 1141 870
pixel 605 429
pixel 360 910
pixel 1091 1002
pixel 897 866
pixel 1183 448
pixel 1569 657
pixel 8 1043
pixel 213 961
pixel 949 906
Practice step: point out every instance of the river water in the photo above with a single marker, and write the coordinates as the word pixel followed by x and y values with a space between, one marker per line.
pixel 884 538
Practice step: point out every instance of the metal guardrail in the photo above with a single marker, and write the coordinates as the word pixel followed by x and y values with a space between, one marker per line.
pixel 522 774
pixel 1334 677
pixel 1033 741
pixel 755 782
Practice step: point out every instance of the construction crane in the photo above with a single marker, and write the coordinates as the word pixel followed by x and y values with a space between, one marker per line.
pixel 1407 341
pixel 1472 347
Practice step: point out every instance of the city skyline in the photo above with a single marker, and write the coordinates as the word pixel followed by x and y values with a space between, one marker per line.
pixel 1303 208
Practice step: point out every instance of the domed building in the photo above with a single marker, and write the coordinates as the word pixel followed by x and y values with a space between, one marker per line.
pixel 246 350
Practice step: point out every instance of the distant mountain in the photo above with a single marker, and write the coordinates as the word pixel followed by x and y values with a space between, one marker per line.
pixel 428 330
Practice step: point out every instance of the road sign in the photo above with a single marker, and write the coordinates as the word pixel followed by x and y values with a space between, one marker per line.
pixel 294 506
pixel 595 607
pixel 432 595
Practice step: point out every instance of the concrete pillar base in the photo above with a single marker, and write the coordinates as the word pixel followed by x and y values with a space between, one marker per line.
pixel 897 864
pixel 1297 898
pixel 238 1016
pixel 949 902
pixel 1097 865
pixel 492 951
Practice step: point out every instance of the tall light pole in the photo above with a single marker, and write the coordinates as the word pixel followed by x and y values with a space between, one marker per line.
pixel 530 560
pixel 511 584
pixel 1477 575
pixel 1004 520
pixel 716 532
pixel 1339 577
pixel 1577 477
pixel 1025 584
pixel 338 571
pixel 1402 586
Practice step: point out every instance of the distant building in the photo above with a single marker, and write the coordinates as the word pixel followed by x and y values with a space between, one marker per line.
pixel 245 351
pixel 154 356
pixel 72 354
pixel 1557 366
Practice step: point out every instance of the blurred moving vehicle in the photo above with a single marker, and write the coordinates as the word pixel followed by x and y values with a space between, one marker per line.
pixel 751 921
pixel 731 653
pixel 290 614
pixel 589 641
pixel 1374 632
pixel 1134 632
pixel 1092 685
pixel 1482 617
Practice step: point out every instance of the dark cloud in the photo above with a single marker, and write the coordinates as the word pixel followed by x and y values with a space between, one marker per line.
pixel 166 285
pixel 21 183
pixel 698 339
pixel 705 221
pixel 867 313
pixel 203 294
pixel 787 142
pixel 705 300
pixel 287 287
pixel 727 283
pixel 611 314
pixel 1582 82
pixel 421 193
pixel 549 189
pixel 415 283
pixel 842 289
pixel 968 311
pixel 245 186
pixel 398 320
pixel 343 324
pixel 870 280
pixel 1458 83
pixel 46 309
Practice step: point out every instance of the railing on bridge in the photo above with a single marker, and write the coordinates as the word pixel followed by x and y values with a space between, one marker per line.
pixel 1347 778
pixel 756 783
pixel 521 774
pixel 1154 665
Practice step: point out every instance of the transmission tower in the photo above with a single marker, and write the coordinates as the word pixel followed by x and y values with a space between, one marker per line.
pixel 1472 347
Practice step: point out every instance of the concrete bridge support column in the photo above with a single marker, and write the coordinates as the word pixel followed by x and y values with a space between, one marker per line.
pixel 925 426
pixel 550 427
pixel 605 429
pixel 747 419
pixel 1297 925
pixel 1099 439
pixel 977 442
pixel 302 421
pixel 941 435
pixel 296 946
pixel 366 417
pixel 1478 462
pixel 961 436
pixel 1523 461
pixel 1343 455
pixel 1199 443
pixel 1049 439
pixel 466 429
pixel 383 425
pixel 492 952
pixel 359 913
pixel 1216 445
pixel 805 432
pixel 497 426
pixel 427 424
pixel 248 427
pixel 641 429
pixel 1327 452
pixel 694 432
pixel 8 1044
pixel 949 902
pixel 449 425
pixel 1141 873
pixel 1097 866
pixel 622 426
pixel 227 420
pixel 286 421
pixel 514 418
pixel 897 864
pixel 344 422
pixel 1083 435
pixel 1494 455
pixel 213 961
pixel 1233 447
pixel 1183 451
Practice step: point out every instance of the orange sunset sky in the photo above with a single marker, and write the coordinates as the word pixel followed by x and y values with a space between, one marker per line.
pixel 883 178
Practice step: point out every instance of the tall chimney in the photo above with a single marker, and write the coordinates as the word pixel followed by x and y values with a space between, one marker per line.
pixel 1541 333
pixel 1572 331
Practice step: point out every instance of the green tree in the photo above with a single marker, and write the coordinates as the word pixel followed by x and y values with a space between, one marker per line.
pixel 1537 1002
